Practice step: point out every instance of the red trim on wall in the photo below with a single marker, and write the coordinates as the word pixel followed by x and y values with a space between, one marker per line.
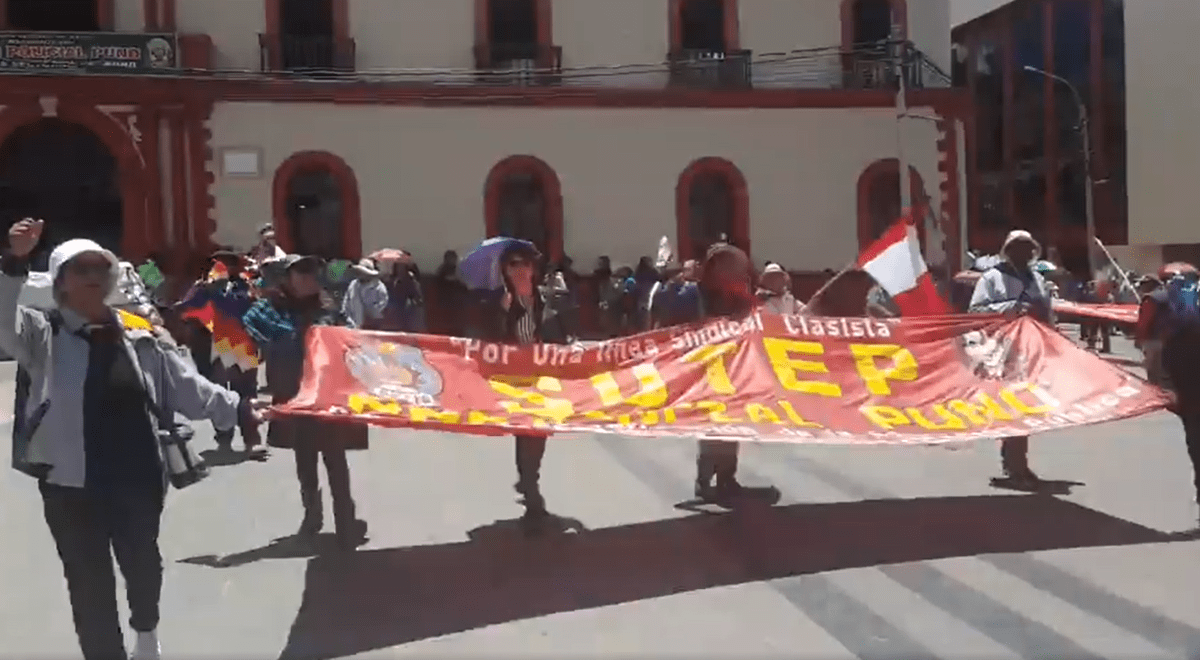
pixel 343 174
pixel 948 215
pixel 732 27
pixel 150 18
pixel 551 188
pixel 168 15
pixel 155 222
pixel 899 15
pixel 129 164
pixel 200 180
pixel 739 232
pixel 866 181
pixel 180 232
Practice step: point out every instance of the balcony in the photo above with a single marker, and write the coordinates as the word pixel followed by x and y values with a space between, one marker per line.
pixel 518 64
pixel 305 53
pixel 710 69
pixel 874 67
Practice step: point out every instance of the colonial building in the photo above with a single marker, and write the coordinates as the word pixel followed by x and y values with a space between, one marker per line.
pixel 590 126
pixel 1029 66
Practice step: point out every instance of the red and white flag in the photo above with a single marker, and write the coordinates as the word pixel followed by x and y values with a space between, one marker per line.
pixel 896 263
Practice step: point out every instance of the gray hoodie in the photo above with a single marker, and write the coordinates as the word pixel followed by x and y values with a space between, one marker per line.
pixel 57 366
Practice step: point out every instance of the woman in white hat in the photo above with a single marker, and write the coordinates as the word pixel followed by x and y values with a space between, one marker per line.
pixel 775 291
pixel 1014 287
pixel 87 433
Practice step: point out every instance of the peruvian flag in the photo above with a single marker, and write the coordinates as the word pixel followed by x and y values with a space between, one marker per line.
pixel 895 261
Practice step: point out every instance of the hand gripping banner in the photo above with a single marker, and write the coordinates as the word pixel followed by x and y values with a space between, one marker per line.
pixel 766 378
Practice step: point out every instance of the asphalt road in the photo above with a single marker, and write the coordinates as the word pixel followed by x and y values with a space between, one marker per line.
pixel 872 553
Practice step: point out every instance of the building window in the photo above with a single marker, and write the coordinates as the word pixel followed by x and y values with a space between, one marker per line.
pixel 316 206
pixel 872 21
pixel 307 36
pixel 712 205
pixel 1113 140
pixel 514 43
pixel 1072 60
pixel 523 199
pixel 1029 116
pixel 54 16
pixel 704 45
pixel 879 199
pixel 989 61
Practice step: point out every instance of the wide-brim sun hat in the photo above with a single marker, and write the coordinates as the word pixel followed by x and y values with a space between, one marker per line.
pixel 76 247
pixel 300 261
pixel 1020 236
pixel 364 268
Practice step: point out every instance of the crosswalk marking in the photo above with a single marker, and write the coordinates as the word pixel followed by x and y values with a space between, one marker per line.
pixel 1020 605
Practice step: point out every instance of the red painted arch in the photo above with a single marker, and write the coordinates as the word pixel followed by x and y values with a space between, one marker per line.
pixel 866 182
pixel 343 174
pixel 551 188
pixel 135 240
pixel 739 231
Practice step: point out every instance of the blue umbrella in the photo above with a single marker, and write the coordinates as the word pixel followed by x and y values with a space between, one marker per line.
pixel 480 269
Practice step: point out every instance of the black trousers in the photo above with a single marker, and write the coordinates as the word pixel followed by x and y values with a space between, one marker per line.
pixel 1014 454
pixel 337 471
pixel 530 450
pixel 1191 435
pixel 89 528
pixel 245 383
pixel 716 458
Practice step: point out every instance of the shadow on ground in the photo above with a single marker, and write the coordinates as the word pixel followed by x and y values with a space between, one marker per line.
pixel 382 598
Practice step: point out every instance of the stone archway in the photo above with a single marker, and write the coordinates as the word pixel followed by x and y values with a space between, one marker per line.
pixel 879 199
pixel 129 181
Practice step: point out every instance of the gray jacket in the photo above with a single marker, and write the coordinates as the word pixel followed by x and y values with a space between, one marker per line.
pixel 57 366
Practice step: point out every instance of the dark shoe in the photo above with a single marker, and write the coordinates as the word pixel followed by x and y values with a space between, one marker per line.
pixel 534 521
pixel 224 441
pixel 353 534
pixel 257 453
pixel 706 492
pixel 314 518
pixel 729 487
pixel 1021 476
pixel 310 526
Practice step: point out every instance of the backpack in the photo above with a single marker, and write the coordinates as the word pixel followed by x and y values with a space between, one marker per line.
pixel 1183 303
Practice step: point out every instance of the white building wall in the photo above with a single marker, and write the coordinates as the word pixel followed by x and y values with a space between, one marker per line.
pixel 421 171
pixel 233 25
pixel 1162 120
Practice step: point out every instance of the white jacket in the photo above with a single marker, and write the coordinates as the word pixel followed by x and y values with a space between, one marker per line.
pixel 1000 289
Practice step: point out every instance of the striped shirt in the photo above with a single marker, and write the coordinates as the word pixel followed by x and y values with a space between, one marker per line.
pixel 527 324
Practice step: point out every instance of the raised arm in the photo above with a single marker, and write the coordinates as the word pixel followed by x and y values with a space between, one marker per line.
pixel 24 333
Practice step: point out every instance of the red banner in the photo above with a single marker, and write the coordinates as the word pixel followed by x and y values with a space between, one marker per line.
pixel 767 378
pixel 1123 313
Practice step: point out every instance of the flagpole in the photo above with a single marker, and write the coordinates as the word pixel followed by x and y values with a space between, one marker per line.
pixel 899 50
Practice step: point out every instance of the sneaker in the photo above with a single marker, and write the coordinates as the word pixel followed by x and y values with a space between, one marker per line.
pixel 147 647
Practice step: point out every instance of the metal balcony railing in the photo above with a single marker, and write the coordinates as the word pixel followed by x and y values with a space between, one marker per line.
pixel 518 64
pixel 710 69
pixel 305 53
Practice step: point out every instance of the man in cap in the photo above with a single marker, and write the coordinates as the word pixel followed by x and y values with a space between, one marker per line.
pixel 1014 287
pixel 366 298
pixel 267 248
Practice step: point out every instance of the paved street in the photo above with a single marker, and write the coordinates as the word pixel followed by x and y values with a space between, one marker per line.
pixel 872 553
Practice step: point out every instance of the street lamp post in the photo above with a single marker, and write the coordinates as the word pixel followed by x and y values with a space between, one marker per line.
pixel 1088 184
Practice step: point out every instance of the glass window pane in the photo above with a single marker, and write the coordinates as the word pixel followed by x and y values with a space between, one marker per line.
pixel 1072 53
pixel 989 61
pixel 1029 114
pixel 1114 107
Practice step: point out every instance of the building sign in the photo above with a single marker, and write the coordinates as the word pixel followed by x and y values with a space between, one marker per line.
pixel 87 52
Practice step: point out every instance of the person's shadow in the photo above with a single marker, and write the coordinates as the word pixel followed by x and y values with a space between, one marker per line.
pixel 285 547
pixel 378 599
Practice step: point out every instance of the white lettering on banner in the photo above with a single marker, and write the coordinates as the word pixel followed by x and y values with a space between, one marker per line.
pixel 619 351
pixel 864 328
pixel 470 346
pixel 716 332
